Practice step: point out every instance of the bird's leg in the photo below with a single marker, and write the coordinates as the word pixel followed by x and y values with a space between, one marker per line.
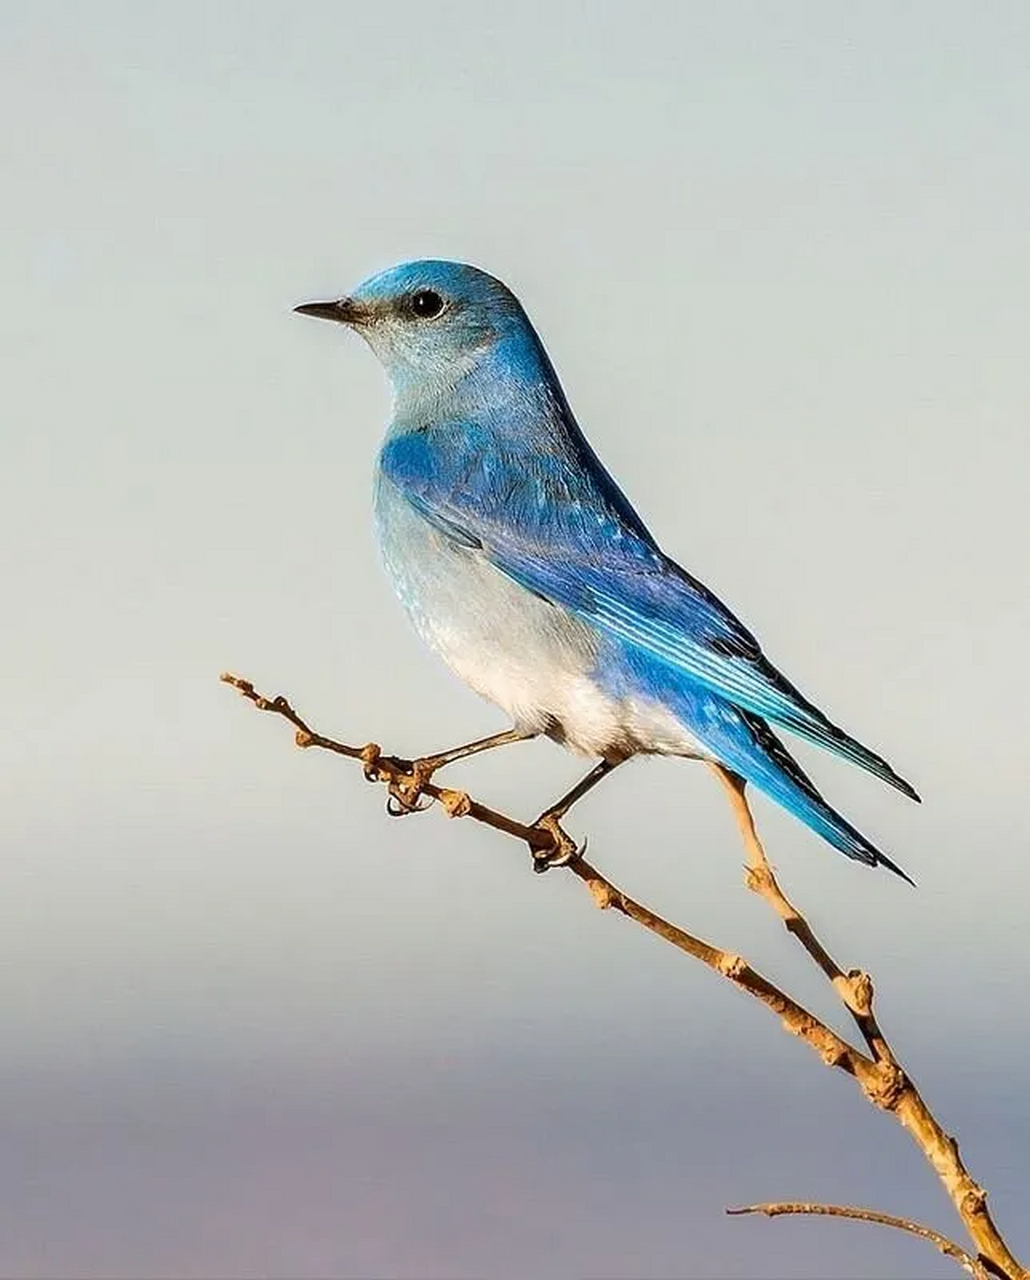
pixel 405 794
pixel 429 764
pixel 561 807
pixel 550 820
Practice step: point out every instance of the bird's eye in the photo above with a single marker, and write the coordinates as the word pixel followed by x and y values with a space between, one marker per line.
pixel 426 304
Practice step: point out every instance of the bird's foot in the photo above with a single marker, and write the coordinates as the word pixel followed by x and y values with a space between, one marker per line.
pixel 405 779
pixel 406 791
pixel 406 782
pixel 562 850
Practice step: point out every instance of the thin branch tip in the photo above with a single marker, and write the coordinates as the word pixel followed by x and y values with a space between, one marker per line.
pixel 976 1266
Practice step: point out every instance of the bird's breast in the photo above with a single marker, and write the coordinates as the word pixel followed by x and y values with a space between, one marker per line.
pixel 537 661
pixel 509 645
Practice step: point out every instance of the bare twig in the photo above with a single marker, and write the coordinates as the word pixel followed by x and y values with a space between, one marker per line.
pixel 853 987
pixel 975 1266
pixel 878 1073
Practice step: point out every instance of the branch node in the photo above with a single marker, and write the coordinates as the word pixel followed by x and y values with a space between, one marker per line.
pixel 731 966
pixel 603 894
pixel 884 1085
pixel 855 988
pixel 456 804
pixel 303 738
pixel 369 758
pixel 833 1052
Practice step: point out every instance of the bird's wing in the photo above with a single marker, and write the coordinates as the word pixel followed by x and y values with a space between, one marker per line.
pixel 539 520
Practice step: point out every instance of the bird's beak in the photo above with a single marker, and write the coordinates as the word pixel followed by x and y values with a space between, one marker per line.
pixel 343 311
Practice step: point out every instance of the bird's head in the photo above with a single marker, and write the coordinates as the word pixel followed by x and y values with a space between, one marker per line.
pixel 430 323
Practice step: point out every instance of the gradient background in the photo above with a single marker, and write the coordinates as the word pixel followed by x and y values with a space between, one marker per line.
pixel 251 1028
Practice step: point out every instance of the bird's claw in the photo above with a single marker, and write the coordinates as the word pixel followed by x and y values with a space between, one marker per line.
pixel 399 805
pixel 406 791
pixel 562 850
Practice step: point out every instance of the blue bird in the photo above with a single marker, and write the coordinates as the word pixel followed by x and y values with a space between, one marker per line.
pixel 524 566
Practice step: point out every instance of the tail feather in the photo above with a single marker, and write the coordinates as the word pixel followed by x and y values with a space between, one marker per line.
pixel 824 733
pixel 744 742
pixel 805 719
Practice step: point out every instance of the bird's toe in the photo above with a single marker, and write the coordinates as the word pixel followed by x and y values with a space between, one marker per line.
pixel 562 848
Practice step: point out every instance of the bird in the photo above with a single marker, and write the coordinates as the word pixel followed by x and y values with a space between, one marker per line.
pixel 522 563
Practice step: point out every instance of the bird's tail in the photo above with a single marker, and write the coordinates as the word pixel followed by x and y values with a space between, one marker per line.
pixel 744 743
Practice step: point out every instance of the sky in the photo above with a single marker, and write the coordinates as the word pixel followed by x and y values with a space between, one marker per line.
pixel 252 1028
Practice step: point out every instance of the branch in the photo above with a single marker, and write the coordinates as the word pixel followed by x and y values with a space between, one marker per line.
pixel 878 1073
pixel 976 1267
pixel 888 1086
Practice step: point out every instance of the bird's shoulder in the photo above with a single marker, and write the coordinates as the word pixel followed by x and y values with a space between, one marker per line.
pixel 546 491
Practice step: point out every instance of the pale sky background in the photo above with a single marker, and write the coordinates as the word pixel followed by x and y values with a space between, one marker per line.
pixel 252 1028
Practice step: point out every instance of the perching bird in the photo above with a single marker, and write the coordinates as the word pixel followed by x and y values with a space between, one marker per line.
pixel 524 566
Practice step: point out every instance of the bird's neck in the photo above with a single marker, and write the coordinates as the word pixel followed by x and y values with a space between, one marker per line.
pixel 511 382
